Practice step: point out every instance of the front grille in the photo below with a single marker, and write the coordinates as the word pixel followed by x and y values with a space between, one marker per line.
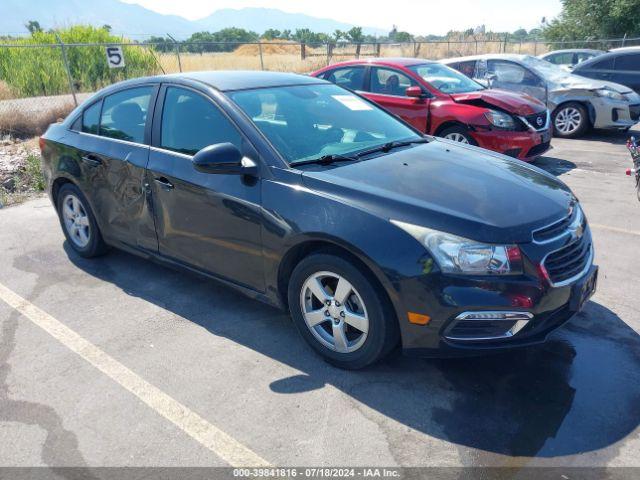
pixel 537 120
pixel 634 111
pixel 539 149
pixel 559 228
pixel 569 261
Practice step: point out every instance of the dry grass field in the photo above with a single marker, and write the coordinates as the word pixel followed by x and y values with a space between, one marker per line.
pixel 287 57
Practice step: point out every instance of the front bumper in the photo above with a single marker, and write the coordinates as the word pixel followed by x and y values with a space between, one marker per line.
pixel 447 299
pixel 614 114
pixel 523 145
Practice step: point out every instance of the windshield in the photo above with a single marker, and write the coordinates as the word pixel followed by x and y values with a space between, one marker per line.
pixel 310 121
pixel 446 79
pixel 544 68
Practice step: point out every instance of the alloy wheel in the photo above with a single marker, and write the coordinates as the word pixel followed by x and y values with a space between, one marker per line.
pixel 76 221
pixel 457 137
pixel 568 120
pixel 334 312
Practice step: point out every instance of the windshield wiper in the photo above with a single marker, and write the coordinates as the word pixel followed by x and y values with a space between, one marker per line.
pixel 326 159
pixel 387 147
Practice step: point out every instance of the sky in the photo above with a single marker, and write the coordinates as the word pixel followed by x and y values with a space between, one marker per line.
pixel 415 16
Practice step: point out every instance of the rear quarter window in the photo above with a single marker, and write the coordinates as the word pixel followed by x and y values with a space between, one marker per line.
pixel 124 114
pixel 91 118
pixel 628 62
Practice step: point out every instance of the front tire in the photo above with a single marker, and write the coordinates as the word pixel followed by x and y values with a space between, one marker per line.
pixel 570 120
pixel 340 312
pixel 459 134
pixel 78 222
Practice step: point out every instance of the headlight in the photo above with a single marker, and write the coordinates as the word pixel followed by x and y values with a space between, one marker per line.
pixel 500 119
pixel 612 94
pixel 463 256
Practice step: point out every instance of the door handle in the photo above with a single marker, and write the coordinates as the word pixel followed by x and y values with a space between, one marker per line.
pixel 164 183
pixel 91 160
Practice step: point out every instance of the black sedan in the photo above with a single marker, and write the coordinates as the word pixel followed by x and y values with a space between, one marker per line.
pixel 308 197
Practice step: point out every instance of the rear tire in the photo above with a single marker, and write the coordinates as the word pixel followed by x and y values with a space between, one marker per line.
pixel 570 120
pixel 354 325
pixel 79 223
pixel 458 133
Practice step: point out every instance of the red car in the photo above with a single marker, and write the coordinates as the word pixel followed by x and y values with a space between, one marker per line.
pixel 441 101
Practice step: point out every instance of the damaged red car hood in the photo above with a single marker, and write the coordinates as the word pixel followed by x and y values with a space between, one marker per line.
pixel 515 103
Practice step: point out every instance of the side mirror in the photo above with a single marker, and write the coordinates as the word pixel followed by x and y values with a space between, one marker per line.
pixel 414 92
pixel 223 158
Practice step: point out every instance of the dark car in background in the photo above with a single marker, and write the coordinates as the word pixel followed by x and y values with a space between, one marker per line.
pixel 301 194
pixel 440 101
pixel 620 65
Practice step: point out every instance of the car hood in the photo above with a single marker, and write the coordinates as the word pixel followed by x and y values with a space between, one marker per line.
pixel 450 187
pixel 515 103
pixel 576 82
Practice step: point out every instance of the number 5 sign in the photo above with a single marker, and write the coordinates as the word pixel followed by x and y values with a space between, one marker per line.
pixel 115 57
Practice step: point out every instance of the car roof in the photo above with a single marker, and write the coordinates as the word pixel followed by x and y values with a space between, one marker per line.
pixel 391 61
pixel 487 56
pixel 625 49
pixel 227 80
pixel 572 50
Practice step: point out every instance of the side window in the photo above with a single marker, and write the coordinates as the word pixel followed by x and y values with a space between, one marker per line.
pixel 124 114
pixel 91 118
pixel 191 122
pixel 628 62
pixel 565 58
pixel 605 64
pixel 582 56
pixel 351 77
pixel 512 73
pixel 466 68
pixel 390 82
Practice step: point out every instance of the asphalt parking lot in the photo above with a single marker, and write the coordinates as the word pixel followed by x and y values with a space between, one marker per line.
pixel 121 362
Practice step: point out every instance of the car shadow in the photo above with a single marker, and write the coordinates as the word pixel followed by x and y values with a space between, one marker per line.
pixel 614 137
pixel 555 166
pixel 578 392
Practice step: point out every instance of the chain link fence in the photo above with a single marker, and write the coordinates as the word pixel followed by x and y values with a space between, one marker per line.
pixel 40 84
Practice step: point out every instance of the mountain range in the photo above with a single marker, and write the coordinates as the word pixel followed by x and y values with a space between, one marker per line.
pixel 133 21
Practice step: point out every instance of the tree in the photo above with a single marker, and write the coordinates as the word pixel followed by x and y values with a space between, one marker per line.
pixel 33 26
pixel 271 34
pixel 355 35
pixel 403 37
pixel 161 44
pixel 337 35
pixel 583 19
pixel 520 33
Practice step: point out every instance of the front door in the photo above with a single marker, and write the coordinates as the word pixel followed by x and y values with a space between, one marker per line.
pixel 208 221
pixel 387 88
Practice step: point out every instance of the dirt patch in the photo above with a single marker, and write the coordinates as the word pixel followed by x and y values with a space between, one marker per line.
pixel 20 170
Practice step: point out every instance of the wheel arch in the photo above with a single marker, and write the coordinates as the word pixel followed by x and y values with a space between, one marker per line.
pixel 296 253
pixel 591 111
pixel 448 124
pixel 56 185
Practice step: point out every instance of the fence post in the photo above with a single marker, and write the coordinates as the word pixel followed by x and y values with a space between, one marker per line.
pixel 377 49
pixel 358 50
pixel 303 50
pixel 66 67
pixel 260 51
pixel 535 48
pixel 177 49
pixel 329 52
pixel 624 39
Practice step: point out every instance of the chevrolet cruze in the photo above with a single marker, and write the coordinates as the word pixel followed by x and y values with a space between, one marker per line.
pixel 304 195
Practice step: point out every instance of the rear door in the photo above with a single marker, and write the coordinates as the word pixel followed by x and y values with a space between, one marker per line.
pixel 601 69
pixel 627 70
pixel 351 77
pixel 387 88
pixel 210 222
pixel 113 151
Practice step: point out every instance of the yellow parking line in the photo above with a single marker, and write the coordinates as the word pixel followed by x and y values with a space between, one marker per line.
pixel 211 437
pixel 615 229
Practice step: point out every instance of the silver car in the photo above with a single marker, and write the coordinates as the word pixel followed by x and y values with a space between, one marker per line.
pixel 567 59
pixel 576 103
